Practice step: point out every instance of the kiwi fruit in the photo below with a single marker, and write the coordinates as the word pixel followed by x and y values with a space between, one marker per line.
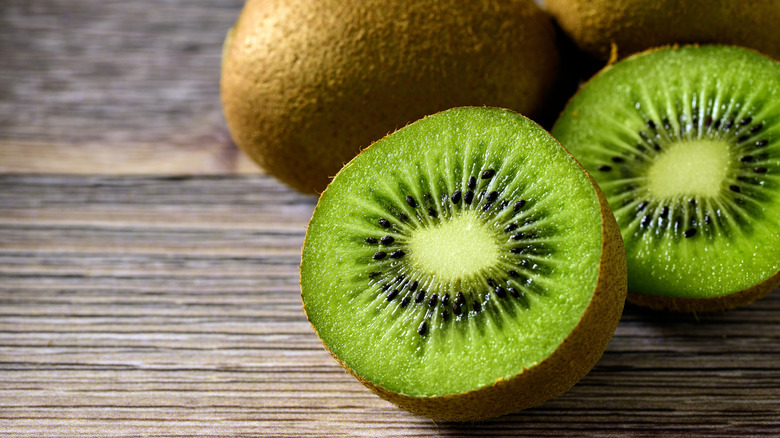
pixel 306 84
pixel 636 25
pixel 464 267
pixel 685 143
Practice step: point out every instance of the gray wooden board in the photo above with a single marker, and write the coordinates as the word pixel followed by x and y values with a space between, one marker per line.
pixel 144 306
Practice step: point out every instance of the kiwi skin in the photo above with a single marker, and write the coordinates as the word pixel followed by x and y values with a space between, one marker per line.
pixel 693 305
pixel 306 84
pixel 702 305
pixel 567 365
pixel 636 25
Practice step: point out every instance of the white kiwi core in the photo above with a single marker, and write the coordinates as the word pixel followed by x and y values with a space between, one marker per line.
pixel 690 168
pixel 454 249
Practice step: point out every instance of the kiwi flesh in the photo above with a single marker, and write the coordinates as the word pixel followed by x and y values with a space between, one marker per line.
pixel 685 143
pixel 636 25
pixel 464 267
pixel 306 84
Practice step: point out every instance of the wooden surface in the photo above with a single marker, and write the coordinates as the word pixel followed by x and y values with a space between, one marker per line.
pixel 149 274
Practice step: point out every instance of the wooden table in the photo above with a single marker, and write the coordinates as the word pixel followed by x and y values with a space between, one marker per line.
pixel 149 273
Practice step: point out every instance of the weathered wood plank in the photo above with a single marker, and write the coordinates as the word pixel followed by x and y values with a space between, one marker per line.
pixel 114 87
pixel 170 307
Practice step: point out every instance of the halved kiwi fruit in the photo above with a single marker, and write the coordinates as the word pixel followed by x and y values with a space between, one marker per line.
pixel 464 266
pixel 685 143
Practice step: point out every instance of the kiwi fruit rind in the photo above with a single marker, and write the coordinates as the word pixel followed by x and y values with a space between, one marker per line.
pixel 636 25
pixel 306 84
pixel 464 267
pixel 685 143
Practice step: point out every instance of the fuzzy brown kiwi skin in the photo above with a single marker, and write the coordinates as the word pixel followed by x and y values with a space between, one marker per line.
pixel 556 374
pixel 306 84
pixel 635 25
pixel 704 305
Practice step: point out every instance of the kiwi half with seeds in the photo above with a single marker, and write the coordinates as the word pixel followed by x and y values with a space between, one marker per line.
pixel 464 266
pixel 685 143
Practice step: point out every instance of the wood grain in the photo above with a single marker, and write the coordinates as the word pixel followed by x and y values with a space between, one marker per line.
pixel 170 307
pixel 114 87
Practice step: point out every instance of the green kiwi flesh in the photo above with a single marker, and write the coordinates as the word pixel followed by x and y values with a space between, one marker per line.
pixel 685 144
pixel 456 253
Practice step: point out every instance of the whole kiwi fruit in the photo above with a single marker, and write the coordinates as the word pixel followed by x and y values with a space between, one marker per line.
pixel 464 267
pixel 636 25
pixel 306 84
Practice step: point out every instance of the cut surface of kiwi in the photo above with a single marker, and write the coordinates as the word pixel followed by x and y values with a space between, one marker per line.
pixel 464 266
pixel 685 143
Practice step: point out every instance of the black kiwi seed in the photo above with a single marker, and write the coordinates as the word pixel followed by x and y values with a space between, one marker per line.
pixel 690 232
pixel 756 128
pixel 746 120
pixel 392 294
pixel 728 124
pixel 516 250
pixel 379 255
pixel 734 188
pixel 760 170
pixel 618 160
pixel 651 124
pixel 384 223
pixel 500 292
pixel 477 306
pixel 518 236
pixel 491 282
pixel 405 301
pixel 708 121
pixel 455 198
pixel 503 204
pixel 420 296
pixel 403 217
pixel 488 174
pixel 432 212
pixel 604 168
pixel 445 300
pixel 472 184
pixel 518 205
pixel 423 329
pixel 412 203
pixel 371 240
pixel 743 138
pixel 492 196
pixel 746 159
pixel 511 227
pixel 386 286
pixel 374 274
pixel 514 292
pixel 468 197
pixel 445 315
pixel 400 278
pixel 460 299
pixel 397 254
pixel 513 274
pixel 641 206
pixel 456 309
pixel 432 301
pixel 664 212
pixel 487 206
pixel 762 143
pixel 646 219
pixel 386 240
pixel 413 286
